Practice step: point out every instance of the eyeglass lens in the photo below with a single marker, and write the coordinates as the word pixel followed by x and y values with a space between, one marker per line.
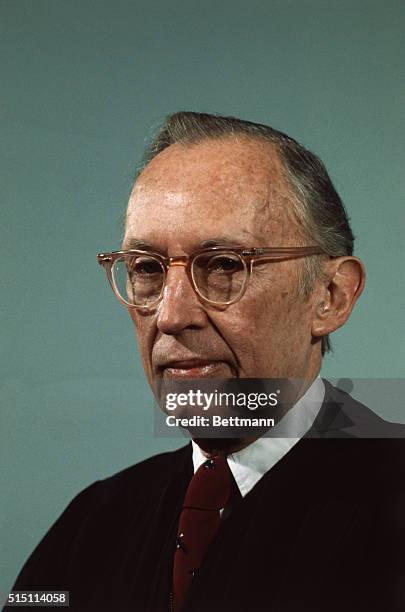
pixel 218 277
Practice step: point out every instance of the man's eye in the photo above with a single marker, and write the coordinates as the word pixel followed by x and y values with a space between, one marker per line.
pixel 223 264
pixel 145 267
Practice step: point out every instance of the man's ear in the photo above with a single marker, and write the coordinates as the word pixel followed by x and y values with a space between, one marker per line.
pixel 343 283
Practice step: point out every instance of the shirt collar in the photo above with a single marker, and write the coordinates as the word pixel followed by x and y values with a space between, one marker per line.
pixel 252 462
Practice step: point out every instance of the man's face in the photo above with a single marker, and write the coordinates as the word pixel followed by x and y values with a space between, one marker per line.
pixel 229 192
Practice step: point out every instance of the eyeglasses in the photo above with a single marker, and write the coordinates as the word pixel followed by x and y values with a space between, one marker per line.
pixel 218 275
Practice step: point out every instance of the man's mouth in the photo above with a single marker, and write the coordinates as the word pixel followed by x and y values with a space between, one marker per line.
pixel 196 368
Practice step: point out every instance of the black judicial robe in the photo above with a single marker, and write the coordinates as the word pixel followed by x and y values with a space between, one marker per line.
pixel 323 530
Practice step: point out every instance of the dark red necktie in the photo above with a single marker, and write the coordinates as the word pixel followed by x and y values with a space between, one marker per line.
pixel 209 491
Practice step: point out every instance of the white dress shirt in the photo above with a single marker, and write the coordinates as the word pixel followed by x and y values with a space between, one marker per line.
pixel 252 462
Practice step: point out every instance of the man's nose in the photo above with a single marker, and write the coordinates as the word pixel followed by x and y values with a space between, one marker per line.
pixel 180 307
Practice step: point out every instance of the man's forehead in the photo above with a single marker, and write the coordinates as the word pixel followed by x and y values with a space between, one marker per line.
pixel 215 184
pixel 223 165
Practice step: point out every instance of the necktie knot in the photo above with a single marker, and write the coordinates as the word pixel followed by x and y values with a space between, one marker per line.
pixel 210 487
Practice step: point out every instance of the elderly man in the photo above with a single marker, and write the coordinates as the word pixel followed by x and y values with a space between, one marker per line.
pixel 237 263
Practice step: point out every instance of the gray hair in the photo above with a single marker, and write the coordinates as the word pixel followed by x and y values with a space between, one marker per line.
pixel 315 202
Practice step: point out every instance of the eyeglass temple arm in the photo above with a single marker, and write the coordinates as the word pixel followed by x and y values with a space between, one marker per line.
pixel 272 252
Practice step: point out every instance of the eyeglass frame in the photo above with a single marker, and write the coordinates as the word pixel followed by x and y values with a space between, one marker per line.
pixel 249 256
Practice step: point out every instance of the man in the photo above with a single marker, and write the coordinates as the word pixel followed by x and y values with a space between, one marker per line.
pixel 237 263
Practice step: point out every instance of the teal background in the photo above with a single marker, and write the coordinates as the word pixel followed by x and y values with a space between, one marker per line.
pixel 83 86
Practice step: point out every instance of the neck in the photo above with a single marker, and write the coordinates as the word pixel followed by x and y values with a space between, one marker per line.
pixel 212 447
